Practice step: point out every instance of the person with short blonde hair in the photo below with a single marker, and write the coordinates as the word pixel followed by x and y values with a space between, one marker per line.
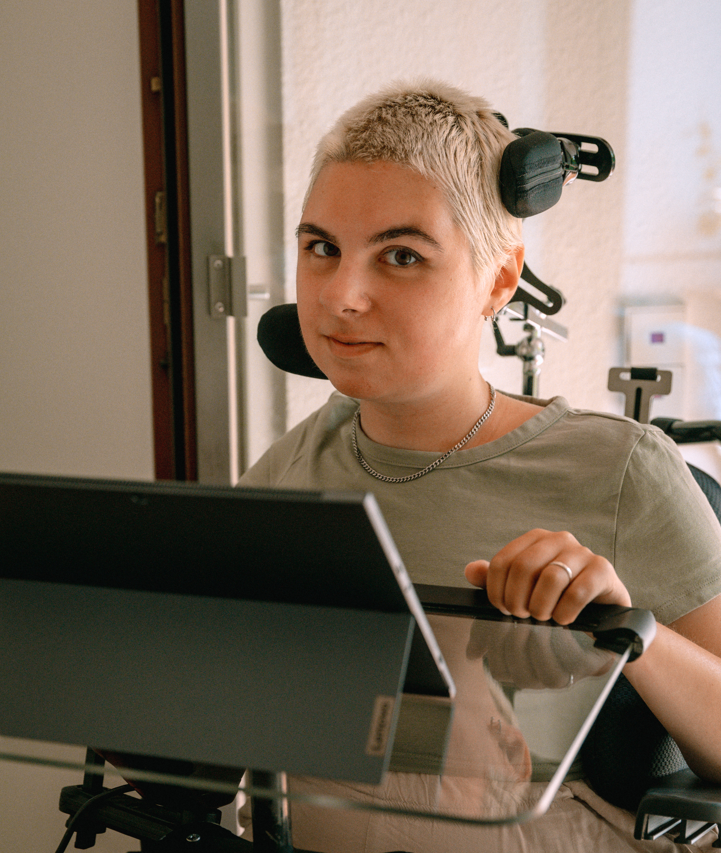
pixel 404 249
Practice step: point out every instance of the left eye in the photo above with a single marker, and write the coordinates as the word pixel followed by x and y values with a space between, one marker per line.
pixel 401 257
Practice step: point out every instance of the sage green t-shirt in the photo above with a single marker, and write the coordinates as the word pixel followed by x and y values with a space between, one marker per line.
pixel 621 488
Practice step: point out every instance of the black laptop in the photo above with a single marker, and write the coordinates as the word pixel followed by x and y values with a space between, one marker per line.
pixel 244 627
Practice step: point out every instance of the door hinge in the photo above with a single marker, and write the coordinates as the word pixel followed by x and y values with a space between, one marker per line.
pixel 226 286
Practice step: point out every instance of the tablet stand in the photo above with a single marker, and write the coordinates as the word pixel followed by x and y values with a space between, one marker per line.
pixel 237 628
pixel 168 828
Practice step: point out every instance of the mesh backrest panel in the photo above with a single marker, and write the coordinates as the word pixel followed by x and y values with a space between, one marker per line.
pixel 627 749
pixel 710 488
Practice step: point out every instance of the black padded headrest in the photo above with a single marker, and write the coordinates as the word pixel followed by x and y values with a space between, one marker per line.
pixel 282 342
pixel 532 173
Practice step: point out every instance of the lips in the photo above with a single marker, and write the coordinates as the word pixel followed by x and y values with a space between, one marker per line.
pixel 349 347
pixel 349 342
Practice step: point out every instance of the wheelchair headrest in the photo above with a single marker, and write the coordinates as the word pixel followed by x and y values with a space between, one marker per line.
pixel 281 340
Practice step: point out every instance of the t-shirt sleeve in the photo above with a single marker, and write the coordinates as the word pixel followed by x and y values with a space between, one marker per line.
pixel 258 475
pixel 668 539
pixel 289 461
pixel 272 468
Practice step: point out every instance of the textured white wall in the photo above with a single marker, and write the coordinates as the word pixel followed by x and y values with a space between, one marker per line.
pixel 672 213
pixel 672 226
pixel 606 69
pixel 74 340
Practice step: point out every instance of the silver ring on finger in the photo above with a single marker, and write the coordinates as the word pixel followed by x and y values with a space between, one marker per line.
pixel 564 567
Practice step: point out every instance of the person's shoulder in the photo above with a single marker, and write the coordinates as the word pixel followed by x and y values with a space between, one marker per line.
pixel 337 410
pixel 314 431
pixel 649 454
pixel 619 427
pixel 598 431
pixel 594 420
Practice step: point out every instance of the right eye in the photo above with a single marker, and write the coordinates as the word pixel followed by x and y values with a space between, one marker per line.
pixel 323 249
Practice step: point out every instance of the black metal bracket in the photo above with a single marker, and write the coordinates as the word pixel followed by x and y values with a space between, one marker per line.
pixel 553 301
pixel 596 160
pixel 681 802
pixel 689 432
pixel 533 311
pixel 158 828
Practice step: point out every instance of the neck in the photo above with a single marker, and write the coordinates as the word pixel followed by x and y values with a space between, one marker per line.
pixel 432 425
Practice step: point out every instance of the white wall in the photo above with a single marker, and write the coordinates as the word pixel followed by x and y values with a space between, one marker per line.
pixel 672 214
pixel 74 340
pixel 644 75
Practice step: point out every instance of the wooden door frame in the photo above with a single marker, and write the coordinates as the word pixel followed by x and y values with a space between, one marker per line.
pixel 167 219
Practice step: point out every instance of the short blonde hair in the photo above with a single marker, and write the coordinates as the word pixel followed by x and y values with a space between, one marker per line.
pixel 447 136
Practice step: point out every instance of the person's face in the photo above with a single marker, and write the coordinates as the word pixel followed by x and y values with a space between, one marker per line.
pixel 390 305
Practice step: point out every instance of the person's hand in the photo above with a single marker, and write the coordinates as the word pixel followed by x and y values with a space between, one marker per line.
pixel 547 575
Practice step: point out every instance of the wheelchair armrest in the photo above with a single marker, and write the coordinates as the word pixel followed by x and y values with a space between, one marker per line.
pixel 682 802
pixel 614 628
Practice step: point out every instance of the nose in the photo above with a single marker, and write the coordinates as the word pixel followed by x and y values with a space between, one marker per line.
pixel 345 290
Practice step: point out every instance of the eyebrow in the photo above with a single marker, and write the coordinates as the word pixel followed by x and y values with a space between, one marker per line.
pixel 405 231
pixel 380 237
pixel 315 231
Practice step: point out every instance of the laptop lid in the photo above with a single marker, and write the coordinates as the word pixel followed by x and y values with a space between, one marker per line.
pixel 155 561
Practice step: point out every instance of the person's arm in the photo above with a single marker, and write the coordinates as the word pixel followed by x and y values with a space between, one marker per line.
pixel 679 678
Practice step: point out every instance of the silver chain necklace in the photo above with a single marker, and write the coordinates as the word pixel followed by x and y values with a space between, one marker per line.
pixel 441 459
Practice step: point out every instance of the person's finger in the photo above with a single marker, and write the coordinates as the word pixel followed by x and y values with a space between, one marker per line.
pixel 597 582
pixel 514 572
pixel 476 572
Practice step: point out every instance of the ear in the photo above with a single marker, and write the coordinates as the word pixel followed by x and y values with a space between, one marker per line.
pixel 506 281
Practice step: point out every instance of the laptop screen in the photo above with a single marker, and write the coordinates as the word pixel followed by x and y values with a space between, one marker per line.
pixel 263 545
pixel 327 549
